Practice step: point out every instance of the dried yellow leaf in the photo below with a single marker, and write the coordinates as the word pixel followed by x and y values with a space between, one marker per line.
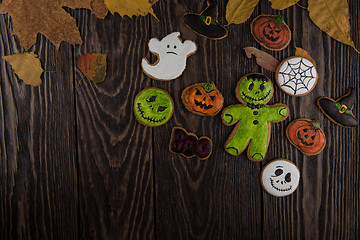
pixel 332 17
pixel 130 7
pixel 299 52
pixel 282 4
pixel 238 11
pixel 27 67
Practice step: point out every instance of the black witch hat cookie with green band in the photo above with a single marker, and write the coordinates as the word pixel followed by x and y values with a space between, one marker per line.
pixel 205 23
pixel 339 111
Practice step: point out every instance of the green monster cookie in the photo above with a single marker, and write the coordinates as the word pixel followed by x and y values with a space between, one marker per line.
pixel 153 107
pixel 253 118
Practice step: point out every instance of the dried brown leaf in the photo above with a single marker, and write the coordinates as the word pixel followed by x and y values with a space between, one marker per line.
pixel 332 17
pixel 47 17
pixel 262 58
pixel 299 52
pixel 27 67
pixel 130 7
pixel 282 4
pixel 238 11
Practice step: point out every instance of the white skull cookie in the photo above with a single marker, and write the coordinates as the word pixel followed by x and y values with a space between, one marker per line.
pixel 172 54
pixel 280 177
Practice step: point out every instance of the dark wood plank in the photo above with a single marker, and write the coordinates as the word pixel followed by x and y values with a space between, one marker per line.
pixel 326 204
pixel 38 180
pixel 115 151
pixel 218 198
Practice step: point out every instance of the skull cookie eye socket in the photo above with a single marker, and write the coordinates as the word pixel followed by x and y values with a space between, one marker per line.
pixel 198 92
pixel 161 109
pixel 288 177
pixel 278 172
pixel 151 99
pixel 251 86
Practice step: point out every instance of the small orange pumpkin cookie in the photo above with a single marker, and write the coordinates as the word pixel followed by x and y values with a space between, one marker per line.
pixel 271 31
pixel 306 135
pixel 203 99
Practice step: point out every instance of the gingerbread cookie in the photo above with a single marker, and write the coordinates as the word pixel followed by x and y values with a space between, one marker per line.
pixel 203 99
pixel 153 107
pixel 340 111
pixel 280 177
pixel 189 145
pixel 205 23
pixel 306 135
pixel 172 54
pixel 296 76
pixel 271 32
pixel 253 118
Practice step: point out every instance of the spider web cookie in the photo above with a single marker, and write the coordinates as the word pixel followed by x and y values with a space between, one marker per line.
pixel 296 76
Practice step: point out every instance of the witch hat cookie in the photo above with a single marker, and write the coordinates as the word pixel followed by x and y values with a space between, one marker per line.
pixel 339 111
pixel 205 23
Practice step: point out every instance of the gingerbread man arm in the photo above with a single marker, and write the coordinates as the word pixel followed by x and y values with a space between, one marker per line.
pixel 232 114
pixel 277 113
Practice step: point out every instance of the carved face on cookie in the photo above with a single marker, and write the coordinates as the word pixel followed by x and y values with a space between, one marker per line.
pixel 153 107
pixel 255 89
pixel 280 177
pixel 172 54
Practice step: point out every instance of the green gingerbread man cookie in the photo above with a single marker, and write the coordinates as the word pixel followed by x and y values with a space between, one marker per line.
pixel 253 118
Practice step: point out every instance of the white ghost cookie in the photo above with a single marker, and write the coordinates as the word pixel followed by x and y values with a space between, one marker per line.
pixel 280 177
pixel 172 54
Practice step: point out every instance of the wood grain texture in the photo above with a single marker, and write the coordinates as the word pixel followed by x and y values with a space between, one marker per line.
pixel 38 177
pixel 75 163
pixel 114 150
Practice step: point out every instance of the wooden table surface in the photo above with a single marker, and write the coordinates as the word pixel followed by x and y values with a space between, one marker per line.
pixel 75 163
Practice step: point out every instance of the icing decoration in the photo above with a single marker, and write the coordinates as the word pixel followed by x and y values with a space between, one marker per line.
pixel 153 107
pixel 280 177
pixel 271 32
pixel 306 135
pixel 189 145
pixel 253 118
pixel 203 99
pixel 205 23
pixel 340 111
pixel 296 76
pixel 172 54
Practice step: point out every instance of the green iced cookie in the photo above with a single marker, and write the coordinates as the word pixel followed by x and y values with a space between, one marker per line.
pixel 153 107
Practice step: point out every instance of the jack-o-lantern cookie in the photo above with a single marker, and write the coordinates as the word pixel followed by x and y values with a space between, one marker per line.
pixel 172 54
pixel 271 32
pixel 153 107
pixel 189 145
pixel 203 99
pixel 280 177
pixel 252 119
pixel 296 76
pixel 306 135
pixel 340 111
pixel 205 23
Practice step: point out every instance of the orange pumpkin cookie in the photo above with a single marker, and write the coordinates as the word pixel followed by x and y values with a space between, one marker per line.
pixel 203 99
pixel 306 135
pixel 271 32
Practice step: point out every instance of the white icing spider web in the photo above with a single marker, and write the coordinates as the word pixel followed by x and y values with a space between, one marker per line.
pixel 298 76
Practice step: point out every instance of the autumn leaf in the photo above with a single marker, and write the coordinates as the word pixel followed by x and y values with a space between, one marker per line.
pixel 282 4
pixel 262 58
pixel 299 52
pixel 27 67
pixel 130 7
pixel 47 17
pixel 238 11
pixel 93 66
pixel 332 17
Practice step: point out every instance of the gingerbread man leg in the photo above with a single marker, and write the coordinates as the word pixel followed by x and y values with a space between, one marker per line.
pixel 237 144
pixel 258 147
